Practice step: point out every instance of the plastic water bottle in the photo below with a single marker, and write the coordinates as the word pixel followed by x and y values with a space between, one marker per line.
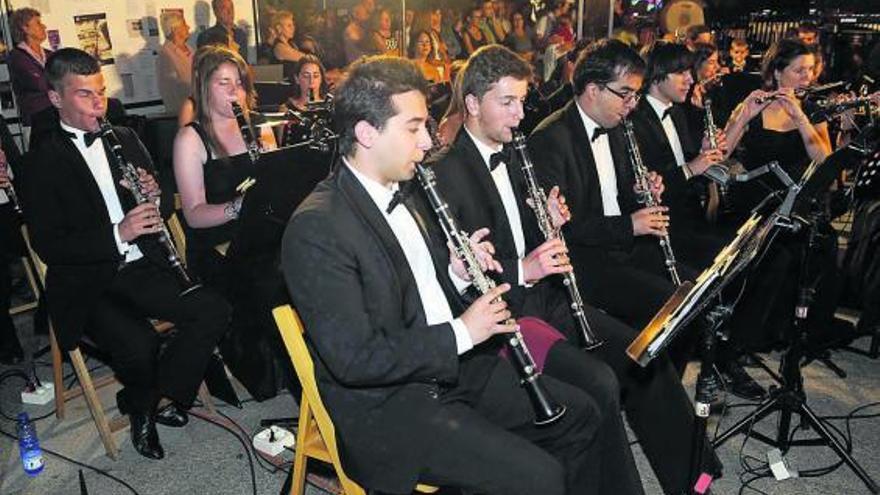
pixel 29 445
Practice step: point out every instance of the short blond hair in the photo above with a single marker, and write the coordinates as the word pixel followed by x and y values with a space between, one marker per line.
pixel 170 21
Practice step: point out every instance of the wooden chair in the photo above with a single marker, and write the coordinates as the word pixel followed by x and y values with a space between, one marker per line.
pixel 316 436
pixel 87 386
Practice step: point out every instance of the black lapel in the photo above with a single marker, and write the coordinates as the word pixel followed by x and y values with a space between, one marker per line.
pixel 81 171
pixel 655 127
pixel 473 165
pixel 365 208
pixel 583 152
pixel 688 146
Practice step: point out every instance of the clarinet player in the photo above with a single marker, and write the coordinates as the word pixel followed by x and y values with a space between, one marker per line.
pixel 107 274
pixel 392 341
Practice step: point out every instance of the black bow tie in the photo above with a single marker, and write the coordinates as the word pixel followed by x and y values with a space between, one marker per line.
pixel 666 113
pixel 398 198
pixel 499 157
pixel 598 132
pixel 88 137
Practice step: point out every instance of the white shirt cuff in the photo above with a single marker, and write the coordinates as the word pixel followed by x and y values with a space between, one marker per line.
pixel 460 284
pixel 121 245
pixel 463 340
pixel 520 276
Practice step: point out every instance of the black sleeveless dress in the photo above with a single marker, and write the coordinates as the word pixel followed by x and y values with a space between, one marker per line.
pixel 252 283
pixel 221 177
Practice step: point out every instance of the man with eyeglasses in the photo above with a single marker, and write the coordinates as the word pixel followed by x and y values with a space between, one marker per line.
pixel 611 239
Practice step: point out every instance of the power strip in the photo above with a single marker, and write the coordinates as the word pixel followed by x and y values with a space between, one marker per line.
pixel 778 465
pixel 273 440
pixel 43 395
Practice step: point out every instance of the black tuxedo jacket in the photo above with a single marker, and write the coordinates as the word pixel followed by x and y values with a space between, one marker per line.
pixel 380 367
pixel 560 148
pixel 467 185
pixel 681 196
pixel 70 226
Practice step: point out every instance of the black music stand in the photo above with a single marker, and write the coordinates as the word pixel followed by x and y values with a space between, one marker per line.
pixel 795 212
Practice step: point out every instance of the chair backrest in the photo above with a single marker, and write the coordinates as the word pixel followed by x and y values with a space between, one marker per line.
pixel 291 328
pixel 38 264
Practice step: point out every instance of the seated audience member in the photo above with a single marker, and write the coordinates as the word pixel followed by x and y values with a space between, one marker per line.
pixel 224 12
pixel 174 64
pixel 107 273
pixel 473 36
pixel 421 50
pixel 27 61
pixel 284 48
pixel 385 40
pixel 521 37
pixel 356 40
pixel 211 160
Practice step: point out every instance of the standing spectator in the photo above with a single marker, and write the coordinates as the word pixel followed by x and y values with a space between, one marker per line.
pixel 224 11
pixel 27 61
pixel 174 64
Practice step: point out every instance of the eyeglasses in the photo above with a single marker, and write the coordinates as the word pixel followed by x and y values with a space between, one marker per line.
pixel 627 96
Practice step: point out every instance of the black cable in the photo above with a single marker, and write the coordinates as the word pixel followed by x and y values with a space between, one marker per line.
pixel 240 440
pixel 77 463
pixel 273 469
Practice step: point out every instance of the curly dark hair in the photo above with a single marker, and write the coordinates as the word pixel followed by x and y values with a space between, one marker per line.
pixel 605 61
pixel 366 94
pixel 488 65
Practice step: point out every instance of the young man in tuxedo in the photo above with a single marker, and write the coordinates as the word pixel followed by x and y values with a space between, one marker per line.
pixel 107 274
pixel 410 399
pixel 663 135
pixel 481 178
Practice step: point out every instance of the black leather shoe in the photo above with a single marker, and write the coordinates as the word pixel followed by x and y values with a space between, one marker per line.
pixel 740 383
pixel 144 436
pixel 172 415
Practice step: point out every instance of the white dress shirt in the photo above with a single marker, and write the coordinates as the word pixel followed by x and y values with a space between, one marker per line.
pixel 604 165
pixel 668 128
pixel 418 257
pixel 99 166
pixel 508 200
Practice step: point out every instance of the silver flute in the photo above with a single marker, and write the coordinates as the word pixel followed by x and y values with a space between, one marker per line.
pixel 547 410
pixel 250 140
pixel 539 206
pixel 129 172
pixel 646 197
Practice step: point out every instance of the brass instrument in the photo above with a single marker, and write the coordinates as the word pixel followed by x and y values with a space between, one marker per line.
pixel 251 141
pixel 547 410
pixel 646 197
pixel 130 174
pixel 539 206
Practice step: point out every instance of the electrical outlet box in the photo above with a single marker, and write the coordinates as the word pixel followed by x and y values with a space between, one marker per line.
pixel 273 440
pixel 43 395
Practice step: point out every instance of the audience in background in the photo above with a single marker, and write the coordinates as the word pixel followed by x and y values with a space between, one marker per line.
pixel 174 63
pixel 386 41
pixel 284 48
pixel 27 62
pixel 224 12
pixel 473 36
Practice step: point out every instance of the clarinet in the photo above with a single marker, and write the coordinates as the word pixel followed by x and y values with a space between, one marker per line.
pixel 250 141
pixel 187 282
pixel 547 410
pixel 539 206
pixel 646 197
pixel 718 173
pixel 13 199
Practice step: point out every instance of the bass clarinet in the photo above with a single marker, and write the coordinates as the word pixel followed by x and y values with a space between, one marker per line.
pixel 646 197
pixel 130 174
pixel 547 410
pixel 539 206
